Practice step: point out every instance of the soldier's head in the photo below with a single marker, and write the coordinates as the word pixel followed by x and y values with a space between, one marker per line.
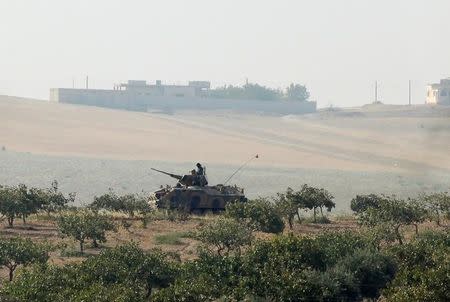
pixel 198 165
pixel 193 172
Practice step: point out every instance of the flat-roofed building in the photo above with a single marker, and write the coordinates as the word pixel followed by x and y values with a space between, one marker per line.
pixel 439 93
pixel 141 96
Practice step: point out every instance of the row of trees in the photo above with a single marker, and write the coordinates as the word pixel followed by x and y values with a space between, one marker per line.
pixel 387 215
pixel 295 92
pixel 233 265
pixel 21 201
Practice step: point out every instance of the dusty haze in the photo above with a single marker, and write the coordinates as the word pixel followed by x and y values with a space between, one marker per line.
pixel 337 48
pixel 383 149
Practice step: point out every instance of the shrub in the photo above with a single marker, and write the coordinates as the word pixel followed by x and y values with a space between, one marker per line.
pixel 84 225
pixel 258 214
pixel 225 235
pixel 124 273
pixel 130 204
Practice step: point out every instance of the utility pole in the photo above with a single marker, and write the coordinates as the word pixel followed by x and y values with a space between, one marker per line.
pixel 376 92
pixel 409 92
pixel 73 83
pixel 87 82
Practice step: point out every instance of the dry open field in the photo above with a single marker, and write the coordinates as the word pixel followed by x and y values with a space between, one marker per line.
pixel 391 149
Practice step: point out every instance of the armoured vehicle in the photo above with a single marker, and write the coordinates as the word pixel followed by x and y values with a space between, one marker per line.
pixel 192 194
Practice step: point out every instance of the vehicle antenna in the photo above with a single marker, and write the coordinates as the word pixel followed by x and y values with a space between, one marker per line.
pixel 243 165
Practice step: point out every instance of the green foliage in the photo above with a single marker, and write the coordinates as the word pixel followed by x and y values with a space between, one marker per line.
pixel 18 251
pixel 125 273
pixel 9 203
pixel 83 225
pixel 336 245
pixel 438 206
pixel 20 201
pixel 129 204
pixel 393 213
pixel 371 269
pixel 53 200
pixel 248 91
pixel 424 269
pixel 308 198
pixel 259 214
pixel 362 203
pixel 297 92
pixel 225 235
pixel 312 198
pixel 251 91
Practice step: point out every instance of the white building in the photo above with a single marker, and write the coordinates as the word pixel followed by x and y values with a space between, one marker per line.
pixel 140 96
pixel 439 93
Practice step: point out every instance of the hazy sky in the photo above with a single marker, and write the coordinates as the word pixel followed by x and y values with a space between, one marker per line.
pixel 337 48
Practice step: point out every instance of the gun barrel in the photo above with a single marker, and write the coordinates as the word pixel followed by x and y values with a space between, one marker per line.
pixel 170 174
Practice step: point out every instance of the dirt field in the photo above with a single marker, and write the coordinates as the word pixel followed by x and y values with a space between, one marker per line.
pixel 383 149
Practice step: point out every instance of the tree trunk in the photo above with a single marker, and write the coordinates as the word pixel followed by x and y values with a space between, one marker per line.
pixel 321 212
pixel 314 215
pixel 81 247
pixel 11 221
pixel 417 228
pixel 290 219
pixel 95 243
pixel 397 233
pixel 11 272
pixel 24 219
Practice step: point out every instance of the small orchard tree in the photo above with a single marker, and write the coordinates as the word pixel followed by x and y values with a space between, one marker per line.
pixel 394 213
pixel 129 204
pixel 287 205
pixel 29 201
pixel 54 200
pixel 259 214
pixel 297 92
pixel 225 235
pixel 18 251
pixel 9 204
pixel 363 202
pixel 312 198
pixel 84 225
pixel 438 205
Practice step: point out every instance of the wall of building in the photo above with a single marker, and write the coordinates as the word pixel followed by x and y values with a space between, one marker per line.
pixel 439 93
pixel 139 100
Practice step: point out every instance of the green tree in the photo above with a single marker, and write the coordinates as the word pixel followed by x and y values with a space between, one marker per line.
pixel 362 203
pixel 312 198
pixel 297 92
pixel 225 235
pixel 438 205
pixel 424 268
pixel 287 206
pixel 259 214
pixel 18 251
pixel 394 213
pixel 9 204
pixel 123 273
pixel 129 204
pixel 83 225
pixel 53 200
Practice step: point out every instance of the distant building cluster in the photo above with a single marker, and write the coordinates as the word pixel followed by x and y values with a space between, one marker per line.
pixel 196 95
pixel 439 93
